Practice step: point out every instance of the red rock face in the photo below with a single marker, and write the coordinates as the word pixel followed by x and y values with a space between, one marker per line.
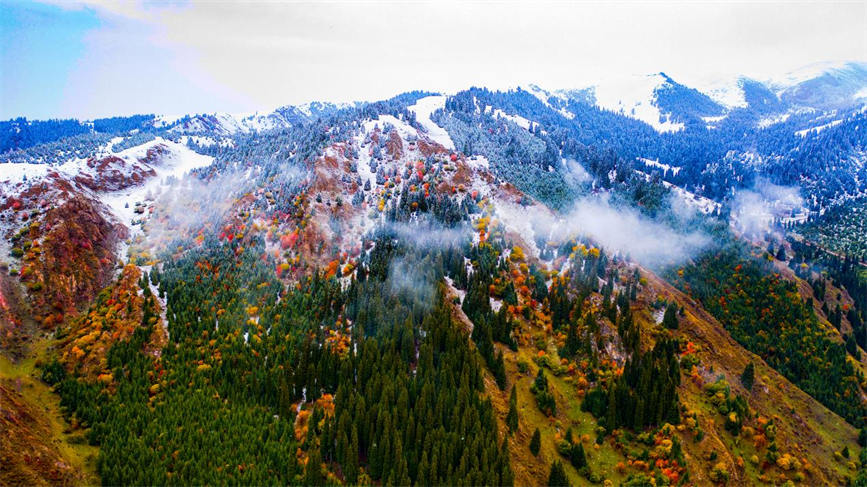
pixel 155 154
pixel 102 164
pixel 74 260
pixel 113 173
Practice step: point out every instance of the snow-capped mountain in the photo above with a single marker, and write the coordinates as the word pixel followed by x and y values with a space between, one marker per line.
pixel 825 86
pixel 819 86
pixel 223 124
pixel 637 97
pixel 650 117
pixel 535 180
pixel 667 105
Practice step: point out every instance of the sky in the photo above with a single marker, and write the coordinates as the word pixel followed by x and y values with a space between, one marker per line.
pixel 95 58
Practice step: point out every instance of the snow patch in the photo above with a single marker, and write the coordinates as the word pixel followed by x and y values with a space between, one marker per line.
pixel 635 97
pixel 544 96
pixel 18 172
pixel 817 129
pixel 712 121
pixel 728 93
pixel 516 119
pixel 403 129
pixel 479 162
pixel 773 120
pixel 806 73
pixel 665 167
pixel 179 161
pixel 423 109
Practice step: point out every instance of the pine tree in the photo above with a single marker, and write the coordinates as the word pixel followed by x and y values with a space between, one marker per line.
pixel 422 476
pixel 748 377
pixel 557 477
pixel 512 417
pixel 350 469
pixel 536 442
pixel 400 474
pixel 573 341
pixel 611 410
pixel 781 253
pixel 500 371
pixel 670 320
pixel 577 456
pixel 313 472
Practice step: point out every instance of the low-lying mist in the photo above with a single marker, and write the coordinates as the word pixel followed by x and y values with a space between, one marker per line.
pixel 192 205
pixel 626 232
pixel 754 210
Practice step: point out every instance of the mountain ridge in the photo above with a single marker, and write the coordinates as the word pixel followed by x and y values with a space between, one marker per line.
pixel 371 284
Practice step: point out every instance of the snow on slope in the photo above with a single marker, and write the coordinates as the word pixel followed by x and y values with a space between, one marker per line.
pixel 12 173
pixel 655 163
pixel 222 123
pixel 179 161
pixel 805 73
pixel 169 164
pixel 700 203
pixel 310 108
pixel 817 129
pixel 544 97
pixel 516 119
pixel 423 109
pixel 774 119
pixel 403 128
pixel 728 93
pixel 635 97
pixel 143 172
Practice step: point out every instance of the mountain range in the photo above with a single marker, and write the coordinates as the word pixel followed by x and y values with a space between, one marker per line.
pixel 636 283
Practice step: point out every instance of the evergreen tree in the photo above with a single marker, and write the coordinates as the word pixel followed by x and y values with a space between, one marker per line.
pixel 544 399
pixel 557 477
pixel 536 442
pixel 670 319
pixel 313 471
pixel 500 371
pixel 573 341
pixel 781 253
pixel 577 456
pixel 350 466
pixel 512 416
pixel 748 376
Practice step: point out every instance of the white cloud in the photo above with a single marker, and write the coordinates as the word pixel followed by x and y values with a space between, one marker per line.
pixel 621 231
pixel 264 54
pixel 755 209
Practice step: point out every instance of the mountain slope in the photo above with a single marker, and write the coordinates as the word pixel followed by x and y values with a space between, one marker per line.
pixel 352 297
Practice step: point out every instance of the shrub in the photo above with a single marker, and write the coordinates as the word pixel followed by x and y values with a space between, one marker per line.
pixel 719 473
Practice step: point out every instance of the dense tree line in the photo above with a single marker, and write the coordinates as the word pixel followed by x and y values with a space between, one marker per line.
pixel 765 314
pixel 218 403
pixel 644 395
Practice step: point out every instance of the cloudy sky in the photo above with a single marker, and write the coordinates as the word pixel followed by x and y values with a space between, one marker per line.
pixel 92 58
